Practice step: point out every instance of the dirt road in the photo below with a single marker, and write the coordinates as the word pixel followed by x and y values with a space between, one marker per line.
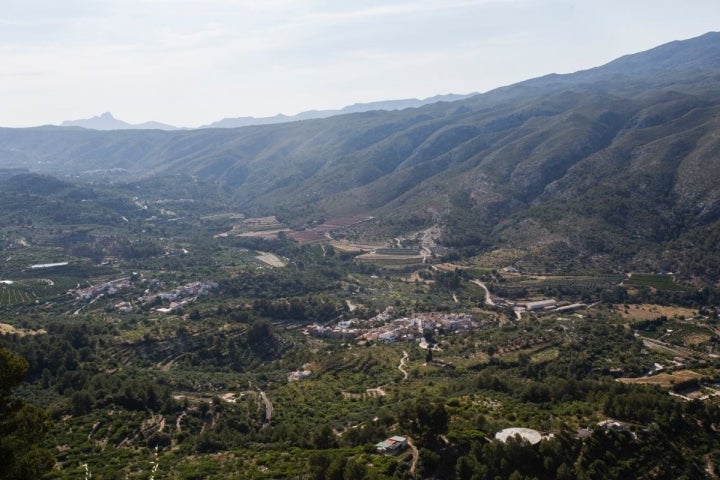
pixel 488 299
pixel 402 364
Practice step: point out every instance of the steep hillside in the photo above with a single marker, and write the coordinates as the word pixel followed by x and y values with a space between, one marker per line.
pixel 616 163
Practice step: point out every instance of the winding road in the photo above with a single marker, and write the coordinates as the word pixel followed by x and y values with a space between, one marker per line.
pixel 402 364
pixel 488 299
pixel 415 456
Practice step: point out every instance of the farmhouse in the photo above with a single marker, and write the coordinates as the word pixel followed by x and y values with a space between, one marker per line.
pixel 392 445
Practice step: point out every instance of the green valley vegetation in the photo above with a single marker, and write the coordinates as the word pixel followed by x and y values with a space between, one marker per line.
pixel 541 258
pixel 23 426
pixel 214 354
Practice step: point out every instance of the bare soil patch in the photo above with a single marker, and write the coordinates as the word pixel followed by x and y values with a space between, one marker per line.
pixel 7 329
pixel 666 380
pixel 320 232
pixel 264 233
pixel 264 227
pixel 449 267
pixel 646 311
pixel 347 247
pixel 307 236
pixel 270 259
pixel 696 339
pixel 390 260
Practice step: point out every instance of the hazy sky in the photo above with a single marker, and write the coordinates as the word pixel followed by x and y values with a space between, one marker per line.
pixel 191 62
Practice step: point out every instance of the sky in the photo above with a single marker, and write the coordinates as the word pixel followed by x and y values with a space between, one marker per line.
pixel 192 62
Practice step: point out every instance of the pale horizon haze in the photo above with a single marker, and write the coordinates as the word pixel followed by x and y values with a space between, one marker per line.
pixel 192 62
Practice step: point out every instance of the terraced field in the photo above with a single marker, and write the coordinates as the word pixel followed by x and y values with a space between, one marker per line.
pixel 15 294
pixel 658 282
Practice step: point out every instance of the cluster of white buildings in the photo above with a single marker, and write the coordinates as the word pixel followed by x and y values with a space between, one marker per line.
pixel 181 296
pixel 406 329
pixel 195 289
pixel 178 297
pixel 94 291
pixel 381 328
pixel 334 331
pixel 124 307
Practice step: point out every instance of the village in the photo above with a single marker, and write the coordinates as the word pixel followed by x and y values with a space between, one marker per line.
pixel 382 328
pixel 94 291
pixel 177 298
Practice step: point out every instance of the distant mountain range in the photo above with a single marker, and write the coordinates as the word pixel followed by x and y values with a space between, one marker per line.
pixel 107 122
pixel 355 108
pixel 616 165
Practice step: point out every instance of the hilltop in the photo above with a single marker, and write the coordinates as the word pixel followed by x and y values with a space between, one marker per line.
pixel 106 121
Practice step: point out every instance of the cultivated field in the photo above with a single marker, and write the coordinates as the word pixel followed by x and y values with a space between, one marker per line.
pixel 646 311
pixel 320 232
pixel 391 260
pixel 666 380
pixel 11 295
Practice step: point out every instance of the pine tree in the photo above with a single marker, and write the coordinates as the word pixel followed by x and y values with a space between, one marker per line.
pixel 22 426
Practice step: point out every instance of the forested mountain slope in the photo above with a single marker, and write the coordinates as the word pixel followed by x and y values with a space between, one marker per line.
pixel 623 154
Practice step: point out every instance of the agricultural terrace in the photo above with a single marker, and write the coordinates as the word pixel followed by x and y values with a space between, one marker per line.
pixel 322 231
pixel 658 282
pixel 345 246
pixel 545 282
pixel 246 225
pixel 15 294
pixel 270 227
pixel 644 311
pixel 39 285
pixel 392 258
pixel 676 380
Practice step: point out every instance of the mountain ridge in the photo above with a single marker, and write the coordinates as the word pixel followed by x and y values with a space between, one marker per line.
pixel 616 162
pixel 106 121
pixel 354 108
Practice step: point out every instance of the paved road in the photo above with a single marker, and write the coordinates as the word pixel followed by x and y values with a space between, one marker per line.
pixel 667 347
